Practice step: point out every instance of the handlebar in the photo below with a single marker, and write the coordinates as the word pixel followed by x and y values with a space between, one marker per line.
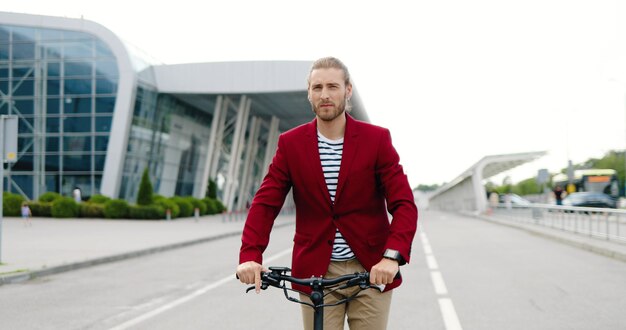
pixel 277 276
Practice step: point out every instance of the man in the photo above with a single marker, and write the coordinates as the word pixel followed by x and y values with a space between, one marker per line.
pixel 345 175
pixel 559 193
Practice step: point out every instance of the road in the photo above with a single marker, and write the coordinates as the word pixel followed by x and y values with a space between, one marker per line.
pixel 465 273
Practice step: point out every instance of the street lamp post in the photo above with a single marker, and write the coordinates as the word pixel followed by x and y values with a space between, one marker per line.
pixel 8 154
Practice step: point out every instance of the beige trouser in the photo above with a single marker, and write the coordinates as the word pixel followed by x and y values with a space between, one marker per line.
pixel 368 311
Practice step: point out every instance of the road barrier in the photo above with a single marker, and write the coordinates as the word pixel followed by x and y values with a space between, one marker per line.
pixel 600 223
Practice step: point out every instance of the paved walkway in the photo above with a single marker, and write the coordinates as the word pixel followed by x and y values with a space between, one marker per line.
pixel 51 246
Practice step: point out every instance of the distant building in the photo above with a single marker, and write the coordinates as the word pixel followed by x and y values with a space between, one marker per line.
pixel 93 114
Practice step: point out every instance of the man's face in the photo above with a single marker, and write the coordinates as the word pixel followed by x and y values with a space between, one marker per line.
pixel 328 93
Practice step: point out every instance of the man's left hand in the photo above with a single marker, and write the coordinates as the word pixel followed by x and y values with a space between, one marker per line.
pixel 384 272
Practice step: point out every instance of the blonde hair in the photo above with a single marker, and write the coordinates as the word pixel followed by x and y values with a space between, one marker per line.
pixel 330 63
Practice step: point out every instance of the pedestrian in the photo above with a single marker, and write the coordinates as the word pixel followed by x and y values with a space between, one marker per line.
pixel 559 193
pixel 346 177
pixel 494 199
pixel 77 195
pixel 26 214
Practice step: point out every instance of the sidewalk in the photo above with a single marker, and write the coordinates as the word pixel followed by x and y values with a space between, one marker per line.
pixel 52 246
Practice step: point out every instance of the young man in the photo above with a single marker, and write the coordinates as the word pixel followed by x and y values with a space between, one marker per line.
pixel 345 175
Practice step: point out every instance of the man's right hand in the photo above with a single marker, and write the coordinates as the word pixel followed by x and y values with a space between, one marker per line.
pixel 249 272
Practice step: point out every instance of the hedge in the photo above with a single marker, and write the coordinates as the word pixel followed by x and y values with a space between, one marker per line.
pixel 146 212
pixel 168 204
pixel 186 208
pixel 12 204
pixel 198 204
pixel 91 210
pixel 210 205
pixel 40 209
pixel 64 207
pixel 99 199
pixel 116 209
pixel 49 196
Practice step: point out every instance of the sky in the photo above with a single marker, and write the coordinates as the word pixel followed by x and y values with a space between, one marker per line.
pixel 453 80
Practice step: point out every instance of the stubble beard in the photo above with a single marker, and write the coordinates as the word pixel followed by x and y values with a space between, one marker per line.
pixel 326 115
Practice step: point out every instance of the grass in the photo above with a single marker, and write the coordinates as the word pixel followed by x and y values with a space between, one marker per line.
pixel 14 271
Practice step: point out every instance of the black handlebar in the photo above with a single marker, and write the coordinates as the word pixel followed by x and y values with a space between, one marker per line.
pixel 277 275
pixel 320 287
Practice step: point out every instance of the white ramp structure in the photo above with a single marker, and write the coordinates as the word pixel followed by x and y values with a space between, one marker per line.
pixel 467 191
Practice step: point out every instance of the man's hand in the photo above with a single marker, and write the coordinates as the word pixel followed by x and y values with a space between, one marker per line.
pixel 384 272
pixel 249 272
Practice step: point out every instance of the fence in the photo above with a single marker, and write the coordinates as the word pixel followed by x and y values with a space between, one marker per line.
pixel 600 223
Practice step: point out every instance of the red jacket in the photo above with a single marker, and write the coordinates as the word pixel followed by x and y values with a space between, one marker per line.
pixel 370 175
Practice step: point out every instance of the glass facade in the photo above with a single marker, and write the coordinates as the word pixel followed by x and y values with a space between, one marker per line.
pixel 168 137
pixel 62 86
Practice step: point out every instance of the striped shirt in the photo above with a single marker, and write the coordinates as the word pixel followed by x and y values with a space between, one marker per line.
pixel 330 156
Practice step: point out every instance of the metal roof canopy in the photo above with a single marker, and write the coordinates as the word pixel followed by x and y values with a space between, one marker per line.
pixel 276 88
pixel 486 168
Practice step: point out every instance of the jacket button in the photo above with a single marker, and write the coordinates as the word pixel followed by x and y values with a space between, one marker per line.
pixel 335 217
pixel 330 242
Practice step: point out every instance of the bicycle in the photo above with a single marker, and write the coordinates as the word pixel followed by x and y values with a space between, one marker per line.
pixel 277 277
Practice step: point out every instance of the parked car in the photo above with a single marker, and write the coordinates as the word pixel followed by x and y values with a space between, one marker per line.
pixel 516 200
pixel 590 199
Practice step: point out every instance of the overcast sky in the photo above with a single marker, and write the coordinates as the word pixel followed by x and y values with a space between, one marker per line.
pixel 454 80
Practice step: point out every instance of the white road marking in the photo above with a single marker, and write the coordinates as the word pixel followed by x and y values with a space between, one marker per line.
pixel 189 297
pixel 438 283
pixel 427 249
pixel 450 318
pixel 432 262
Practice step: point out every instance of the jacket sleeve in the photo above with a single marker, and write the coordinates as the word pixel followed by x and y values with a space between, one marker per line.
pixel 399 197
pixel 265 207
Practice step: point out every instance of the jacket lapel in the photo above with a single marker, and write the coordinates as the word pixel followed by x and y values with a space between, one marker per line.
pixel 313 159
pixel 350 147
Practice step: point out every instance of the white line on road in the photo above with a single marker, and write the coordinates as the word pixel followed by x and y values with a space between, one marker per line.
pixel 188 297
pixel 449 314
pixel 440 285
pixel 427 249
pixel 432 262
pixel 450 319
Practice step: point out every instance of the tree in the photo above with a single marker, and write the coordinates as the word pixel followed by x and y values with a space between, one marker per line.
pixel 424 187
pixel 211 192
pixel 144 197
pixel 527 187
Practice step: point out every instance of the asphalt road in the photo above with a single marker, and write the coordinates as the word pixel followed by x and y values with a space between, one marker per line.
pixel 465 274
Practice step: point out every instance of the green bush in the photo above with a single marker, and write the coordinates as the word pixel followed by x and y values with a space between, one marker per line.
pixel 40 209
pixel 197 204
pixel 146 212
pixel 211 205
pixel 49 196
pixel 168 204
pixel 64 207
pixel 186 208
pixel 99 199
pixel 12 204
pixel 220 207
pixel 116 209
pixel 211 191
pixel 144 196
pixel 91 210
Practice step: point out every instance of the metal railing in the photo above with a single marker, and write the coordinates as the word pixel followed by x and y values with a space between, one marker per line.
pixel 600 223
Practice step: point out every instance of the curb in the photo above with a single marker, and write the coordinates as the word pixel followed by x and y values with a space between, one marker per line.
pixel 607 252
pixel 26 276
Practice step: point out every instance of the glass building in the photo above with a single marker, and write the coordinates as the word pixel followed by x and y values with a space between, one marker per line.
pixel 94 115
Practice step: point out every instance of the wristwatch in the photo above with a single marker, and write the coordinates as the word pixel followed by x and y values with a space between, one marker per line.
pixel 394 255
